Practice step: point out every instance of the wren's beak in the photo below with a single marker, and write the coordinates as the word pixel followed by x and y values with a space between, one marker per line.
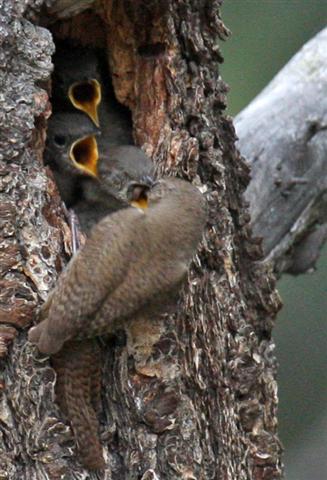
pixel 84 154
pixel 86 96
pixel 137 193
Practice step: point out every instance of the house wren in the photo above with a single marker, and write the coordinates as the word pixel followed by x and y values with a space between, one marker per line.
pixel 137 259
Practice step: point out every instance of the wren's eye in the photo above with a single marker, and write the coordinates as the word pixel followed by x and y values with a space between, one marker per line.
pixel 60 140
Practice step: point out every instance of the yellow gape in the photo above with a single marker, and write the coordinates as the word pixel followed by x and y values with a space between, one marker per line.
pixel 84 154
pixel 141 203
pixel 86 96
pixel 140 198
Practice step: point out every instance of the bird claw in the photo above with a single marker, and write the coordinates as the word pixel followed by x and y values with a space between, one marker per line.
pixel 74 226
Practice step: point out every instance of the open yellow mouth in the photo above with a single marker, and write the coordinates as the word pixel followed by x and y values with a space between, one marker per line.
pixel 84 154
pixel 86 96
pixel 137 195
pixel 139 198
pixel 141 203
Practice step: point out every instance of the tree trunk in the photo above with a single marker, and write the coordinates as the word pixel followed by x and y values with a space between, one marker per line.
pixel 205 406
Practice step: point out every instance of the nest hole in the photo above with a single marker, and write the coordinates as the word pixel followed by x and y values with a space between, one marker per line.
pixel 87 119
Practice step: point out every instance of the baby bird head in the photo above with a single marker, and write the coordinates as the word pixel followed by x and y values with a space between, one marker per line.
pixel 71 143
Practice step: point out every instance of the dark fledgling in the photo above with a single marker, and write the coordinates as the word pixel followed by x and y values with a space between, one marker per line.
pixel 81 81
pixel 91 174
pixel 71 151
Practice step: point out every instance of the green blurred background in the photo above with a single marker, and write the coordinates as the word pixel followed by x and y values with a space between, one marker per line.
pixel 265 35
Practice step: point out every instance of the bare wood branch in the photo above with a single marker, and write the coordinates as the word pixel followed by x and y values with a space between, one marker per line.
pixel 283 136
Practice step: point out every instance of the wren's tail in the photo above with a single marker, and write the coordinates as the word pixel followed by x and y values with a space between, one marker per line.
pixel 46 342
pixel 78 369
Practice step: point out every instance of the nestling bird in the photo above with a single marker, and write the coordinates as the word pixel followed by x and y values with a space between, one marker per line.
pixel 135 259
pixel 71 151
pixel 91 175
pixel 75 81
pixel 80 81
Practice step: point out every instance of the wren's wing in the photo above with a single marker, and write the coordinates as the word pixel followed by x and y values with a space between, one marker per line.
pixel 96 271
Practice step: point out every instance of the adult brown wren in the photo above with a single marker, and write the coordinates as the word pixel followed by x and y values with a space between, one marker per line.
pixel 138 260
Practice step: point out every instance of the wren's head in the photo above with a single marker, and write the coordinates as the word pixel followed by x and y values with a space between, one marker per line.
pixel 71 144
pixel 155 191
pixel 167 193
pixel 117 167
pixel 121 164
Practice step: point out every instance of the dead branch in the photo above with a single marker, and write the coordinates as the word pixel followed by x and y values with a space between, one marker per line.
pixel 283 136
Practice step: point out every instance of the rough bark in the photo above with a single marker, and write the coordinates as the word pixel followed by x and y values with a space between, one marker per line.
pixel 205 406
pixel 283 136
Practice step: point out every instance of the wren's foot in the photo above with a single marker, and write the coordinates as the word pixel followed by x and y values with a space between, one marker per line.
pixel 46 343
pixel 73 223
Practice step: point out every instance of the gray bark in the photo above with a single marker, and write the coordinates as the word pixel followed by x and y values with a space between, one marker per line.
pixel 283 136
